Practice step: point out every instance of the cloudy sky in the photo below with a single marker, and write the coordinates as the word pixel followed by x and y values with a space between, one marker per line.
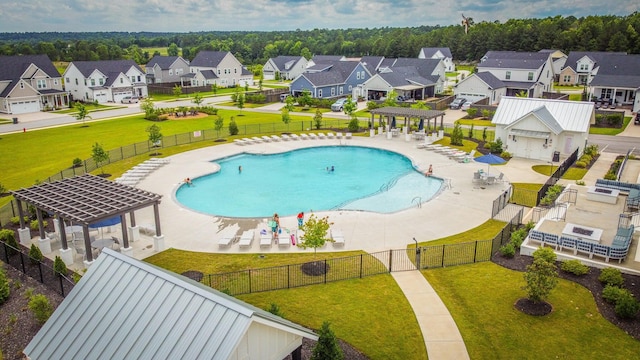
pixel 267 15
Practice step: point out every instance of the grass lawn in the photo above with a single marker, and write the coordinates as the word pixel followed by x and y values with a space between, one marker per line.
pixel 485 231
pixel 567 87
pixel 91 107
pixel 469 68
pixel 246 105
pixel 523 193
pixel 575 97
pixel 151 50
pixel 610 131
pixel 169 97
pixel 352 306
pixel 467 145
pixel 480 298
pixel 477 123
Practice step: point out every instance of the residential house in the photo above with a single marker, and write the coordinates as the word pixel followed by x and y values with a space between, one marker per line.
pixel 443 54
pixel 582 66
pixel 481 85
pixel 105 81
pixel 528 72
pixel 558 58
pixel 408 77
pixel 166 69
pixel 316 59
pixel 536 128
pixel 124 308
pixel 286 67
pixel 228 71
pixel 30 83
pixel 332 79
pixel 618 81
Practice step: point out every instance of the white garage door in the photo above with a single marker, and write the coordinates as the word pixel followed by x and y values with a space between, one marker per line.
pixel 471 97
pixel 119 95
pixel 21 107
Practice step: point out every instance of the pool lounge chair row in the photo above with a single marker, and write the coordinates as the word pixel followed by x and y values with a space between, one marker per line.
pixel 285 238
pixel 291 137
pixel 618 250
pixel 135 174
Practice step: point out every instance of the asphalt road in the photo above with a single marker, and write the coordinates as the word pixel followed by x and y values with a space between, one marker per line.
pixel 615 144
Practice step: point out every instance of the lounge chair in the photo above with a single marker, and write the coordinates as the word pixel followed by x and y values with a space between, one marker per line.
pixel 313 136
pixel 294 137
pixel 285 137
pixel 275 138
pixel 329 135
pixel 304 137
pixel 299 238
pixel 148 229
pixel 158 160
pixel 284 239
pixel 338 238
pixel 256 139
pixel 339 136
pixel 322 136
pixel 433 147
pixel 239 142
pixel 266 238
pixel 265 138
pixel 347 135
pixel 246 238
pixel 227 238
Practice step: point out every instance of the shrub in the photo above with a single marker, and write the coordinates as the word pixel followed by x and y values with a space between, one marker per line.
pixel 586 158
pixel 76 162
pixel 8 236
pixel 209 110
pixel 372 105
pixel 508 250
pixel 610 176
pixel 275 310
pixel 545 254
pixel 541 276
pixel 496 146
pixel 354 125
pixel 575 267
pixel 327 347
pixel 581 164
pixel 233 127
pixel 41 308
pixel 611 276
pixel 580 182
pixel 487 145
pixel 472 112
pixel 611 294
pixel 5 290
pixel 627 306
pixel 517 237
pixel 35 226
pixel 506 155
pixel 35 255
pixel 59 267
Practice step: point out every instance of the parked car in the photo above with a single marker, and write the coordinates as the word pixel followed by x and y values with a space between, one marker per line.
pixel 466 106
pixel 338 105
pixel 457 103
pixel 636 121
pixel 130 100
pixel 283 97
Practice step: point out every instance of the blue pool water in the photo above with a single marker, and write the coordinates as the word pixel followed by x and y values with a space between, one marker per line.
pixel 365 179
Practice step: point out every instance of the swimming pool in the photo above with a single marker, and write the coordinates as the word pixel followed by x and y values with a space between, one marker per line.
pixel 365 179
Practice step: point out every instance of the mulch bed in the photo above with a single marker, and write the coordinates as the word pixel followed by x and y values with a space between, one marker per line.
pixel 591 282
pixel 315 268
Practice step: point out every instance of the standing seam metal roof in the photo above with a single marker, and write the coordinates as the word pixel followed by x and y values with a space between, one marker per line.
pixel 570 115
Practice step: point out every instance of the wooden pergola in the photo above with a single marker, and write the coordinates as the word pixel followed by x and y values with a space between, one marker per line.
pixel 84 200
pixel 408 113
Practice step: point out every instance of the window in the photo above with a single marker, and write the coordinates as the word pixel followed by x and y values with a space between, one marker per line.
pixel 85 82
pixel 21 85
pixel 333 92
pixel 170 71
pixel 362 75
pixel 341 90
pixel 235 71
pixel 42 83
pixel 218 71
pixel 55 81
pixel 350 88
pixel 178 71
pixel 508 75
pixel 121 81
pixel 76 81
pixel 139 79
pixel 93 82
pixel 566 79
pixel 320 93
pixel 530 76
pixel 101 81
pixel 133 79
pixel 584 67
pixel 358 75
pixel 67 80
pixel 606 93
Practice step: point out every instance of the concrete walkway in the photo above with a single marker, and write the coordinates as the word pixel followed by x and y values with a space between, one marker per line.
pixel 439 331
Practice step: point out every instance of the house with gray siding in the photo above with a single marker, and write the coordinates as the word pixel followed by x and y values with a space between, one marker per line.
pixel 228 70
pixel 443 54
pixel 166 69
pixel 30 83
pixel 332 80
pixel 287 67
pixel 581 66
pixel 618 81
pixel 413 78
pixel 105 81
pixel 481 85
pixel 528 72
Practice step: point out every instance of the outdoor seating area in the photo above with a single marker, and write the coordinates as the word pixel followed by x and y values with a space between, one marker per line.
pixel 618 250
pixel 137 173
pixel 290 137
pixel 485 178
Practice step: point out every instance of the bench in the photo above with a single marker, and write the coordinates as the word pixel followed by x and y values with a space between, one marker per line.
pixel 618 185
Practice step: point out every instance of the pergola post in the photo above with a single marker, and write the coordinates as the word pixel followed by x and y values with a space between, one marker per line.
pixel 44 243
pixel 24 234
pixel 134 230
pixel 87 245
pixel 126 249
pixel 158 238
pixel 66 254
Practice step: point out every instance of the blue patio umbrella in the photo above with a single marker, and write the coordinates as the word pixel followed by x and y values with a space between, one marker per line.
pixel 421 125
pixel 490 159
pixel 393 122
pixel 105 223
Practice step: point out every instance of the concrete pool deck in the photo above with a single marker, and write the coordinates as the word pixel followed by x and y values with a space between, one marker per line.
pixel 188 230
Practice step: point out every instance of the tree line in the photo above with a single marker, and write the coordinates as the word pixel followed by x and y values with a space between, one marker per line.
pixel 591 33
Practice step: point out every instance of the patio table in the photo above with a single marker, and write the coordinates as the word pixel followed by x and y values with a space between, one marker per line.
pixel 102 243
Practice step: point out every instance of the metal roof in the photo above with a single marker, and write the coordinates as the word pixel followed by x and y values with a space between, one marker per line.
pixel 407 112
pixel 569 115
pixel 124 308
pixel 86 198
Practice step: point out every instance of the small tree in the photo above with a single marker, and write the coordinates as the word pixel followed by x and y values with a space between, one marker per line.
pixel 214 88
pixel 290 103
pixel 260 81
pixel 456 135
pixel 4 189
pixel 218 124
pixel 275 310
pixel 471 132
pixel 354 124
pixel 240 101
pixel 391 99
pixel 41 307
pixel 155 136
pixel 233 127
pixel 8 236
pixel 177 91
pixel 305 99
pixel 317 119
pixel 99 156
pixel 59 267
pixel 82 113
pixel 315 233
pixel 35 255
pixel 286 118
pixel 148 108
pixel 484 134
pixel 541 276
pixel 197 99
pixel 327 347
pixel 350 106
pixel 5 289
pixel 246 87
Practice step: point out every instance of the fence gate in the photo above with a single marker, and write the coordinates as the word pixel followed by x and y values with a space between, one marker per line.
pixel 398 260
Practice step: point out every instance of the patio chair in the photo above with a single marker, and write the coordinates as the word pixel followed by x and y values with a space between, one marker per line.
pixel 246 238
pixel 239 142
pixel 321 136
pixel 294 137
pixel 347 135
pixel 304 137
pixel 227 238
pixel 477 178
pixel 265 138
pixel 275 138
pixel 80 251
pixel 256 139
pixel 338 237
pixel 551 239
pixel 312 136
pixel 266 238
pixel 339 136
pixel 284 239
pixel 329 135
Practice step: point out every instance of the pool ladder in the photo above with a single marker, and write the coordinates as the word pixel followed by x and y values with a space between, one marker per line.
pixel 419 205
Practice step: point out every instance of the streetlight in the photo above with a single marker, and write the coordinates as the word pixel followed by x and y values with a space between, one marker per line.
pixel 417 254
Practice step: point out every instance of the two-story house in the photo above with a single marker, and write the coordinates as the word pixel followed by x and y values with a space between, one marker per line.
pixel 558 58
pixel 287 67
pixel 582 66
pixel 332 79
pixel 530 73
pixel 30 83
pixel 408 77
pixel 166 69
pixel 220 68
pixel 443 54
pixel 618 81
pixel 105 81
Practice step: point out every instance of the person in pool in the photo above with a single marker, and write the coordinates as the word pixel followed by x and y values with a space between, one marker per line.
pixel 188 181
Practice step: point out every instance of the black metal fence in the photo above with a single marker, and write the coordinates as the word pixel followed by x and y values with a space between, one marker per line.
pixel 360 266
pixel 557 175
pixel 42 272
